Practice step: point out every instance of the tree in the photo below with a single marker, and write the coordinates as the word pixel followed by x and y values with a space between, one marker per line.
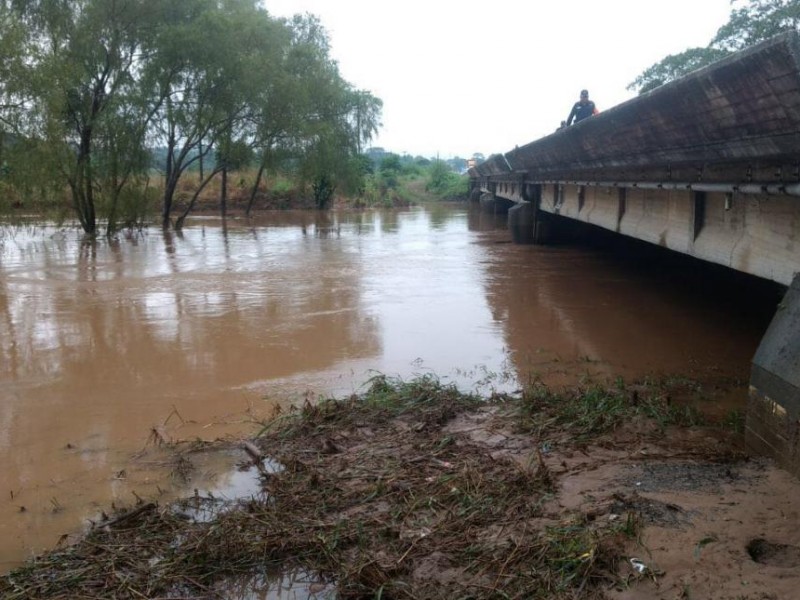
pixel 756 21
pixel 315 118
pixel 85 107
pixel 332 153
pixel 286 100
pixel 83 68
pixel 438 175
pixel 337 120
pixel 753 21
pixel 675 66
pixel 86 86
pixel 13 42
pixel 209 95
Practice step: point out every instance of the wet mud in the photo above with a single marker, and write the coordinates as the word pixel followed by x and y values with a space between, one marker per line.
pixel 417 490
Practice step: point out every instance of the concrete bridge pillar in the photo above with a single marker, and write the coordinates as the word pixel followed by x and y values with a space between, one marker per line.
pixel 529 225
pixel 773 409
pixel 521 222
pixel 488 202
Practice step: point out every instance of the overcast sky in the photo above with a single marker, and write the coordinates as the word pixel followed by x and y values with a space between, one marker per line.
pixel 459 77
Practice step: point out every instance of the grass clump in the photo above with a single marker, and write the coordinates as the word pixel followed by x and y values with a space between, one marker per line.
pixel 598 410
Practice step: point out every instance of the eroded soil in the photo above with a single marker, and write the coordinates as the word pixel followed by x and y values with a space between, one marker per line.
pixel 416 491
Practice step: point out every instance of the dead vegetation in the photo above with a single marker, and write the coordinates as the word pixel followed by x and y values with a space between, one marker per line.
pixel 411 490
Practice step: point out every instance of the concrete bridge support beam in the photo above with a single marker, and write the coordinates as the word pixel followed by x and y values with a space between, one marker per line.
pixel 773 410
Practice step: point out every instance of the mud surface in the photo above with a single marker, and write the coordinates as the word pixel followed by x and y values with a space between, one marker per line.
pixel 417 491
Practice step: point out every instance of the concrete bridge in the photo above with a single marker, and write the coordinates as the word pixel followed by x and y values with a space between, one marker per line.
pixel 708 165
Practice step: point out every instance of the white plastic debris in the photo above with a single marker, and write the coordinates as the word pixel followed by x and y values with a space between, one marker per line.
pixel 638 565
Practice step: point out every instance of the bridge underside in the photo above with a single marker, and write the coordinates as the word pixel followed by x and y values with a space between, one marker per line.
pixel 708 165
pixel 752 233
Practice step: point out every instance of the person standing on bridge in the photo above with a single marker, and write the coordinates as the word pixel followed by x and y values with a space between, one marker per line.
pixel 582 109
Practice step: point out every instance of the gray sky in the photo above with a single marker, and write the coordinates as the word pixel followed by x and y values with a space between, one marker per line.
pixel 459 77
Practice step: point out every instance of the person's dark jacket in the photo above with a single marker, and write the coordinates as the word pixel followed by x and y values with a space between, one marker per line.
pixel 580 111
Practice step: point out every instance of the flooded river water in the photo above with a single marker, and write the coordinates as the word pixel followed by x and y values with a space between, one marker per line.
pixel 107 346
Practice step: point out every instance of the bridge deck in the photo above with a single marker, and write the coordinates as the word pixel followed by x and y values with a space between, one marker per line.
pixel 732 122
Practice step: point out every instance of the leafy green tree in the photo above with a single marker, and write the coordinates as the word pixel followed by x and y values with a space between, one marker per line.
pixel 675 66
pixel 84 69
pixel 750 22
pixel 13 41
pixel 438 174
pixel 443 181
pixel 286 100
pixel 390 170
pixel 332 157
pixel 339 121
pixel 755 21
pixel 209 93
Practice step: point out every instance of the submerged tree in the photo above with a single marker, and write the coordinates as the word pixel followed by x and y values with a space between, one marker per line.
pixel 89 87
pixel 84 73
pixel 753 21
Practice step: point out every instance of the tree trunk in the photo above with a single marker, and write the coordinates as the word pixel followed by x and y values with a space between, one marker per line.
pixel 253 192
pixel 182 218
pixel 170 181
pixel 82 191
pixel 200 150
pixel 223 194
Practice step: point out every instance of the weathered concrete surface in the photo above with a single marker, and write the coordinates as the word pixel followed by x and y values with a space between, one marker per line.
pixel 773 412
pixel 494 165
pixel 751 233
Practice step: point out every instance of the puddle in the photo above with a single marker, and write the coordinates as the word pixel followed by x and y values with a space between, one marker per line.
pixel 772 554
pixel 229 491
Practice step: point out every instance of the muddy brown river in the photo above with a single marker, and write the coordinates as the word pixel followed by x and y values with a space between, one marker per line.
pixel 107 348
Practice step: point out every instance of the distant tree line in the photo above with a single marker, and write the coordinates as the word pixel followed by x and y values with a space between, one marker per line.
pixel 89 87
pixel 456 163
pixel 391 174
pixel 750 22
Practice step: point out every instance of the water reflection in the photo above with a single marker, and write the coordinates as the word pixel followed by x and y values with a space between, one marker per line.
pixel 626 309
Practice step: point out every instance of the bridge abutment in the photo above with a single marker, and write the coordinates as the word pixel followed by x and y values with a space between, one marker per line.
pixel 773 411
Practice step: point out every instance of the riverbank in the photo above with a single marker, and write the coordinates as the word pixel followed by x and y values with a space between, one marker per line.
pixel 416 490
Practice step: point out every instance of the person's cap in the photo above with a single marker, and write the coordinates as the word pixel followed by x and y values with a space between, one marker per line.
pixel 585 93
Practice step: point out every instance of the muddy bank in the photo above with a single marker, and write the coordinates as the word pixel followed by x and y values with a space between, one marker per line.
pixel 415 490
